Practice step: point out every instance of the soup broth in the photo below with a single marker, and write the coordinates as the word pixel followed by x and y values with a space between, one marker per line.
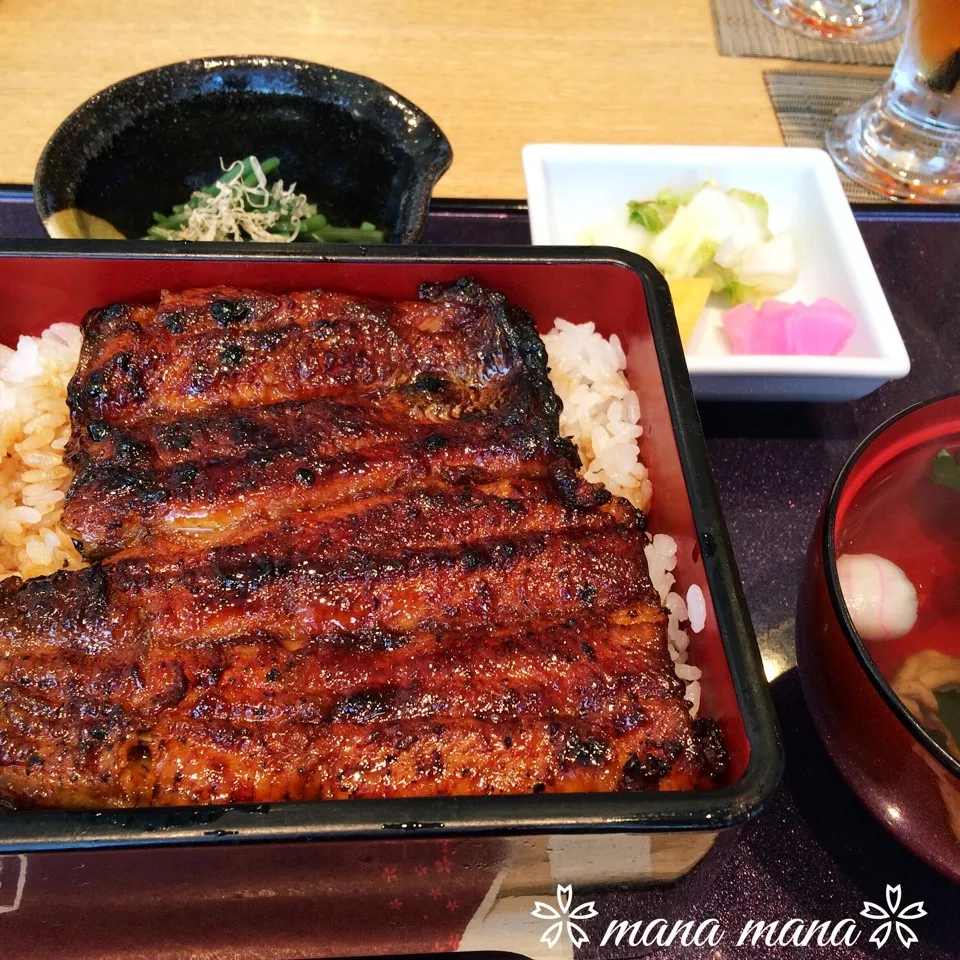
pixel 908 513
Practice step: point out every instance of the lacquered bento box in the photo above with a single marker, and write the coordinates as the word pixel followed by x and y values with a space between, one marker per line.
pixel 339 878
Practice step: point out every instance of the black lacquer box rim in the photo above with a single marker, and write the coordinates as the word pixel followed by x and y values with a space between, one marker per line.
pixel 708 810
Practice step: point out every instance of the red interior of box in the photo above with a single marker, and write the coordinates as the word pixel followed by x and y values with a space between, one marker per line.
pixel 38 291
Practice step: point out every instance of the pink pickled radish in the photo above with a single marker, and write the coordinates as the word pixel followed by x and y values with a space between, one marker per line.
pixel 821 329
pixel 880 598
pixel 824 327
pixel 751 333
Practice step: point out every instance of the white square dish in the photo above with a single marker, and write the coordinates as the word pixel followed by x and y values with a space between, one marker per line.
pixel 571 187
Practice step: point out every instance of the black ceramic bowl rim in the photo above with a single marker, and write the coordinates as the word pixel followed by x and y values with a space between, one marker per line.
pixel 828 550
pixel 432 156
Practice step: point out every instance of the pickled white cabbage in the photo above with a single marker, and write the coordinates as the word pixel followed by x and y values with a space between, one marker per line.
pixel 711 232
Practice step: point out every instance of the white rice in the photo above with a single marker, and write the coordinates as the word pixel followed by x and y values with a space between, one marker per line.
pixel 601 414
pixel 34 429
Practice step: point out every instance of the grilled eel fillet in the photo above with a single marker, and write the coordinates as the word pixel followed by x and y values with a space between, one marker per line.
pixel 373 572
pixel 215 408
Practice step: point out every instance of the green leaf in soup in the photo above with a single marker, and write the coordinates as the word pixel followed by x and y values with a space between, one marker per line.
pixel 945 470
pixel 948 700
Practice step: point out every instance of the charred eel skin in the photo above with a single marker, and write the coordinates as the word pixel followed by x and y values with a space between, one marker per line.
pixel 340 550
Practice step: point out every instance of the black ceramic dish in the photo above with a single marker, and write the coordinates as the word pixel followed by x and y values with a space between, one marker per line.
pixel 358 150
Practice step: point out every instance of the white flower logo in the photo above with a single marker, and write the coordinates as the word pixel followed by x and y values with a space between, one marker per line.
pixel 564 917
pixel 893 918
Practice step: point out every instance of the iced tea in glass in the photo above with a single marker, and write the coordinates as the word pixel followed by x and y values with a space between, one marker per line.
pixel 844 21
pixel 905 142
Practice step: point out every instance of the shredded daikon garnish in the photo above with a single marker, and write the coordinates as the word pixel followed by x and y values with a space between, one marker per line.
pixel 241 202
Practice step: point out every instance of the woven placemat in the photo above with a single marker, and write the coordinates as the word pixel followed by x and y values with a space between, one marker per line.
pixel 807 102
pixel 743 31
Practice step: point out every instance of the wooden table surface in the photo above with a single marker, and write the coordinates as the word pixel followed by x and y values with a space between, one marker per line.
pixel 495 74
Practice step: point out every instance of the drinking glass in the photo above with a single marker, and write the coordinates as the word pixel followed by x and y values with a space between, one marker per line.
pixel 846 21
pixel 905 141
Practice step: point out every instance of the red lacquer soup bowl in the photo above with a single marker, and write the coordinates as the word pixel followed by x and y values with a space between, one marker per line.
pixel 885 502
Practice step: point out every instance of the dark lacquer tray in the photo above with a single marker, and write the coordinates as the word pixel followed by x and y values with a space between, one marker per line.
pixel 814 854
